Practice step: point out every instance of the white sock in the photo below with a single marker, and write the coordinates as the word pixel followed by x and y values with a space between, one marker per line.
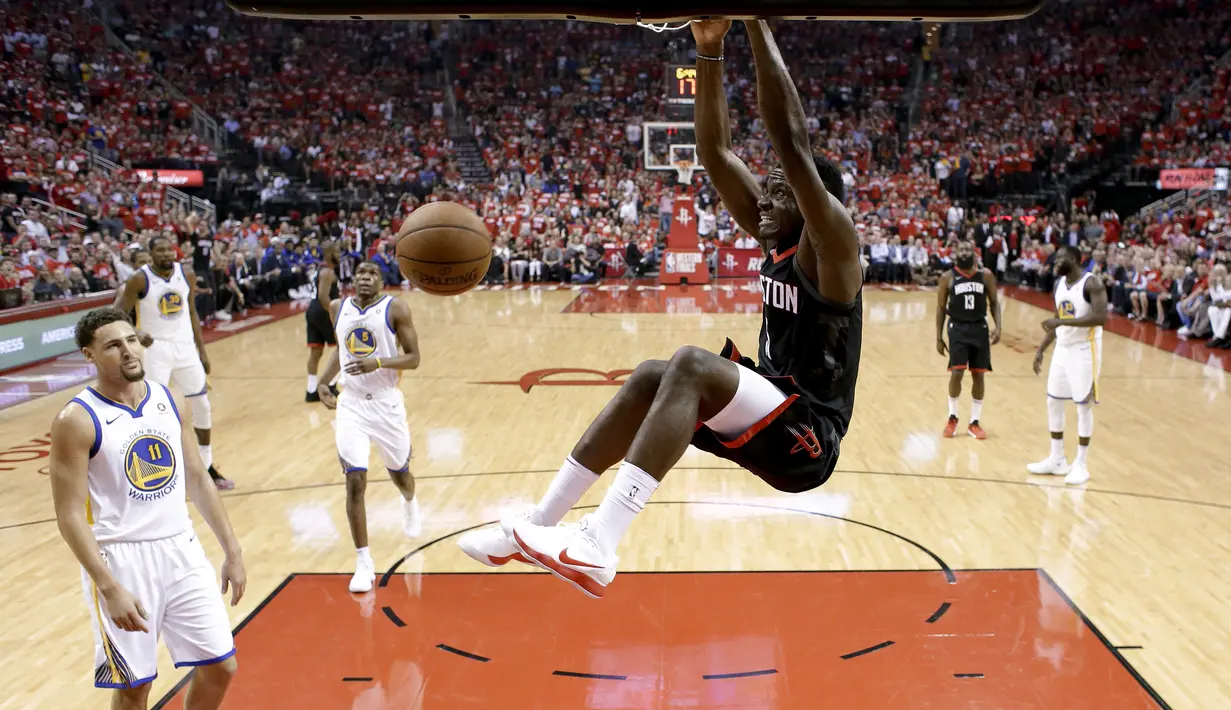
pixel 628 494
pixel 569 485
pixel 953 407
pixel 362 555
pixel 976 408
pixel 312 383
pixel 207 455
pixel 1081 453
pixel 1057 449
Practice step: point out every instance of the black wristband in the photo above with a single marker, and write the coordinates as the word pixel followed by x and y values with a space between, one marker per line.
pixel 719 58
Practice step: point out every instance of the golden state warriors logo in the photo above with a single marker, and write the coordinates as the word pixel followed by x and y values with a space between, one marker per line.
pixel 1066 310
pixel 360 342
pixel 149 463
pixel 170 305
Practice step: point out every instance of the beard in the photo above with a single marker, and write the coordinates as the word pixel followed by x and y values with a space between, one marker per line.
pixel 134 376
pixel 966 262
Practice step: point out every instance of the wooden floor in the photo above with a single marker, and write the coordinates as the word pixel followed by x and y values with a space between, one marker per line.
pixel 1142 550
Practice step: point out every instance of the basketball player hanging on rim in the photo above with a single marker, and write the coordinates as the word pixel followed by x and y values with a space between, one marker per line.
pixel 163 293
pixel 782 418
pixel 1077 331
pixel 964 295
pixel 370 329
pixel 123 467
pixel 320 326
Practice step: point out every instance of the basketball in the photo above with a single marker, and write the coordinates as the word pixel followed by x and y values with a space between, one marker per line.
pixel 444 248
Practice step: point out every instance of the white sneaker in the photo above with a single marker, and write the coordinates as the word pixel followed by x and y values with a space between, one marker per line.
pixel 569 552
pixel 223 316
pixel 493 546
pixel 412 523
pixel 364 577
pixel 1049 466
pixel 1078 474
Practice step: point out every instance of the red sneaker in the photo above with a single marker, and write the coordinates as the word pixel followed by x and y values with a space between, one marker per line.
pixel 976 431
pixel 951 428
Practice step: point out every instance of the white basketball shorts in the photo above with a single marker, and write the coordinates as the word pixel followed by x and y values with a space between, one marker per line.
pixel 176 364
pixel 754 399
pixel 366 418
pixel 178 588
pixel 1074 372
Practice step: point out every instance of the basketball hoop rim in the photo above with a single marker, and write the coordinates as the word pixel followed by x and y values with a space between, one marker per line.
pixel 663 27
pixel 652 17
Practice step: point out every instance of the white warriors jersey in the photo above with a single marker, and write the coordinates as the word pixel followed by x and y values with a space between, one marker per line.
pixel 1071 303
pixel 367 333
pixel 163 311
pixel 136 470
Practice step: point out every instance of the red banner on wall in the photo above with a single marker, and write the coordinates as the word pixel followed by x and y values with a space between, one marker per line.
pixel 1188 178
pixel 734 262
pixel 174 178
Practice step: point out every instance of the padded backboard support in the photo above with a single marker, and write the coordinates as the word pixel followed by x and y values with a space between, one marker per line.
pixel 629 12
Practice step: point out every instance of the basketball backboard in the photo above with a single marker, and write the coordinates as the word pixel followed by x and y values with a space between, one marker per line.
pixel 624 12
pixel 670 146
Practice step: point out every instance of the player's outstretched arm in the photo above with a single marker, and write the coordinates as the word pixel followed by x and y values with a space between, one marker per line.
pixel 1043 346
pixel 942 310
pixel 1096 293
pixel 829 229
pixel 127 296
pixel 408 338
pixel 993 302
pixel 72 440
pixel 204 495
pixel 735 184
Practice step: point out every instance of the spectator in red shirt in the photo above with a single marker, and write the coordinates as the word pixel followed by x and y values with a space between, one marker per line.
pixel 9 278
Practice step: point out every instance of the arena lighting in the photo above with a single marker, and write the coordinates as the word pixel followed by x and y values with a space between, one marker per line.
pixel 624 12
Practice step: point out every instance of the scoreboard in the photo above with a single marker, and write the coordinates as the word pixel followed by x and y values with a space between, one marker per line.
pixel 681 84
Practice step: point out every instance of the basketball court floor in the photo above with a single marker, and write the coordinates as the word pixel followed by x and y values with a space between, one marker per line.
pixel 928 572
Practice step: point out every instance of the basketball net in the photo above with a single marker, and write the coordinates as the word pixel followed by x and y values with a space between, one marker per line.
pixel 684 171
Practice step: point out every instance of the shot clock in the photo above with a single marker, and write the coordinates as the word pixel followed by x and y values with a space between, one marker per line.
pixel 681 84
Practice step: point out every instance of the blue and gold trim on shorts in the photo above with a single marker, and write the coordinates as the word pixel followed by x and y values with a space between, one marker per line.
pixel 115 672
pixel 208 661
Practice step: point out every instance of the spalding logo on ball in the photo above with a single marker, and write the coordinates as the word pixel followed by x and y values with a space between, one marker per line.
pixel 444 248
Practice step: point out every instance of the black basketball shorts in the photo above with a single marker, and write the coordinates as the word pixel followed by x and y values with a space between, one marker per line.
pixel 320 328
pixel 970 347
pixel 792 449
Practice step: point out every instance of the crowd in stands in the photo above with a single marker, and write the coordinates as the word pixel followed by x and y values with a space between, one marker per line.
pixel 1018 105
pixel 344 102
pixel 45 258
pixel 66 91
pixel 557 111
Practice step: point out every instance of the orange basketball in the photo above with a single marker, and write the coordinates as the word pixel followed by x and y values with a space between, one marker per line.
pixel 444 248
